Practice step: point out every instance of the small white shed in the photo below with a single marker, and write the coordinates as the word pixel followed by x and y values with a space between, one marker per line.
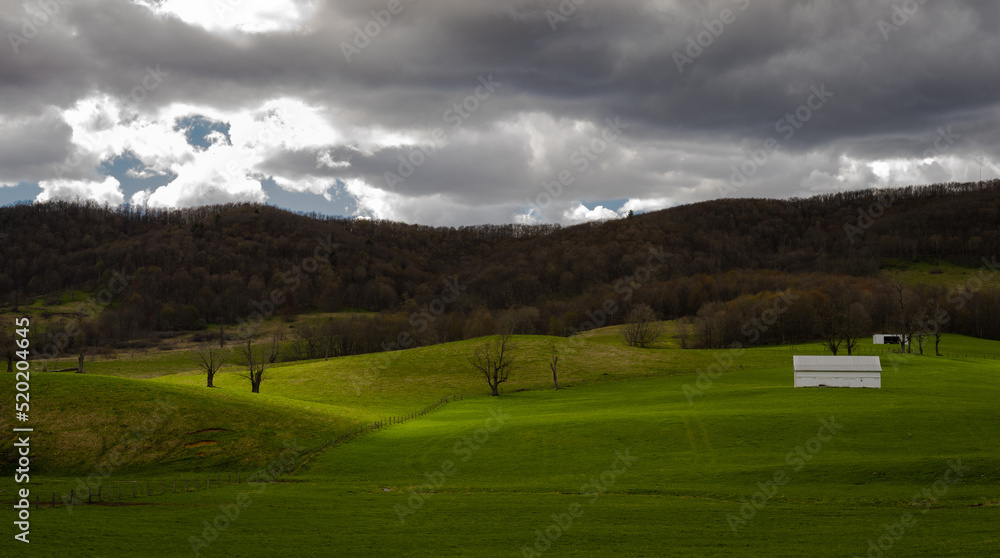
pixel 838 371
pixel 888 338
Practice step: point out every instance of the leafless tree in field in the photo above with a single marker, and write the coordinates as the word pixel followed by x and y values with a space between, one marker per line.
pixel 8 350
pixel 909 313
pixel 257 359
pixel 494 359
pixel 554 364
pixel 210 360
pixel 641 328
pixel 856 323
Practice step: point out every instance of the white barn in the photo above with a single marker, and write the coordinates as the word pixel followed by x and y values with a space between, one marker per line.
pixel 888 338
pixel 838 371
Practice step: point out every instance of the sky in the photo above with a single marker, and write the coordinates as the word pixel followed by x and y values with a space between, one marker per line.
pixel 491 111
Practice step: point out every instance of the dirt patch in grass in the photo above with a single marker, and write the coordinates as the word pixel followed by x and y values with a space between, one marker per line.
pixel 201 443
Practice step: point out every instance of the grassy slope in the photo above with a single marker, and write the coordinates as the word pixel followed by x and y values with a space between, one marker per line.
pixel 319 399
pixel 84 420
pixel 696 462
pixel 924 272
pixel 379 385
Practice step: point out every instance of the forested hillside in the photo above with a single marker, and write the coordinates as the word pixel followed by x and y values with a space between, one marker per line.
pixel 183 269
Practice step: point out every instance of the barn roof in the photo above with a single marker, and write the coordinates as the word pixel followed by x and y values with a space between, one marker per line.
pixel 837 363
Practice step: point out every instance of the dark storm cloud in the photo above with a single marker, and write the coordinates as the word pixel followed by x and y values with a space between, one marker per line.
pixel 898 71
pixel 30 146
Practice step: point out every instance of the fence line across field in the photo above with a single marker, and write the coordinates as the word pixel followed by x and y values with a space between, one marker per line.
pixel 112 492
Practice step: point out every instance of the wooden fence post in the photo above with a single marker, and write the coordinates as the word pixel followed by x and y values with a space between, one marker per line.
pixel 89 494
pixel 71 494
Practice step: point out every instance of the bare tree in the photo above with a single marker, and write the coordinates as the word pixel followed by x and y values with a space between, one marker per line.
pixel 940 321
pixel 518 321
pixel 554 365
pixel 641 328
pixel 936 319
pixel 257 359
pixel 832 341
pixel 8 349
pixel 210 360
pixel 829 323
pixel 844 318
pixel 909 313
pixel 856 323
pixel 273 349
pixel 310 341
pixel 80 343
pixel 494 359
pixel 254 362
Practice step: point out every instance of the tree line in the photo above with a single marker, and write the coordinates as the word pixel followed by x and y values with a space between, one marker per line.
pixel 181 270
pixel 841 310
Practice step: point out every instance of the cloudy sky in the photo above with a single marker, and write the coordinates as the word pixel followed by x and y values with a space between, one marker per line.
pixel 474 111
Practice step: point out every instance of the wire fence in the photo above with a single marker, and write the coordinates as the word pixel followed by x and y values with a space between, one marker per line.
pixel 119 492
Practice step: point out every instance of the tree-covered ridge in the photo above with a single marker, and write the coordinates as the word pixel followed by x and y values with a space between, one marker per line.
pixel 217 264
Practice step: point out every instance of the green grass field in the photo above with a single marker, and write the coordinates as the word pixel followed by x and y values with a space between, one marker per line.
pixel 929 272
pixel 599 468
